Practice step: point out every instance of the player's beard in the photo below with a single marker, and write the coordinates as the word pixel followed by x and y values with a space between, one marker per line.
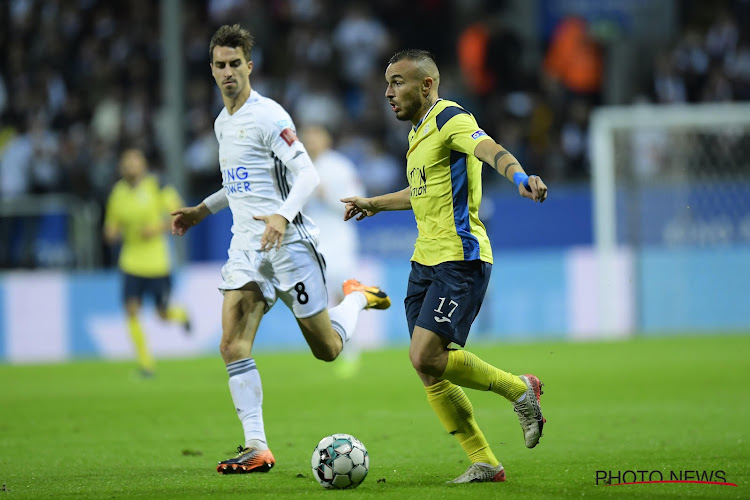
pixel 231 93
pixel 409 107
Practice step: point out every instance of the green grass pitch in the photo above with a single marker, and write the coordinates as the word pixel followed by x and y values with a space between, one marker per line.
pixel 94 430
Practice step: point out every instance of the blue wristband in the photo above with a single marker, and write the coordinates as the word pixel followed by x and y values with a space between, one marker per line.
pixel 520 177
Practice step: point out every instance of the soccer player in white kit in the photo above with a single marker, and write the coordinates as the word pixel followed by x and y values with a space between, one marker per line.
pixel 267 178
pixel 339 241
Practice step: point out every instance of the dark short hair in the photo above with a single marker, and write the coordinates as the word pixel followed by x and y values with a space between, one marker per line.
pixel 416 55
pixel 232 36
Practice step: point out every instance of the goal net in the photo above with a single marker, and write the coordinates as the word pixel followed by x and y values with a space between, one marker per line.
pixel 671 187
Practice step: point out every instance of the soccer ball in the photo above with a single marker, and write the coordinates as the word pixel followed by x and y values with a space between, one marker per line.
pixel 340 461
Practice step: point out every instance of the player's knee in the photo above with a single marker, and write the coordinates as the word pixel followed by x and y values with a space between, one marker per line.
pixel 424 362
pixel 232 350
pixel 226 349
pixel 326 352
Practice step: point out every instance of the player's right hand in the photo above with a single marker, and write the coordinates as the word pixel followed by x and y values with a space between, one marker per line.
pixel 186 217
pixel 358 206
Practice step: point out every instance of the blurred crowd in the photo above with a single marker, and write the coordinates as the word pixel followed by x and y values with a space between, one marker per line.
pixel 81 79
pixel 711 64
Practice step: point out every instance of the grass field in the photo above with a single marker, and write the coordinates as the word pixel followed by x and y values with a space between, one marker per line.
pixel 95 430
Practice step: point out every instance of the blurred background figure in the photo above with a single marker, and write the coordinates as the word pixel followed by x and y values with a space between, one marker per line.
pixel 338 241
pixel 574 58
pixel 15 182
pixel 138 217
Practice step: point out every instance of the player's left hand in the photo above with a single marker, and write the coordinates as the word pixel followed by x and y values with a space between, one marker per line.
pixel 537 190
pixel 273 236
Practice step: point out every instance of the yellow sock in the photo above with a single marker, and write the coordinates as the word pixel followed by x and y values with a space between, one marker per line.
pixel 453 408
pixel 177 314
pixel 139 341
pixel 467 370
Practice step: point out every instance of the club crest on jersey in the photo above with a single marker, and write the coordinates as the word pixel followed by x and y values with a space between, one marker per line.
pixel 479 133
pixel 241 134
pixel 288 135
pixel 426 129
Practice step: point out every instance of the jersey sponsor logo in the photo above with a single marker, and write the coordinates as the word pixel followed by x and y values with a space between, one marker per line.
pixel 234 174
pixel 426 129
pixel 417 181
pixel 241 134
pixel 238 188
pixel 479 133
pixel 235 180
pixel 288 135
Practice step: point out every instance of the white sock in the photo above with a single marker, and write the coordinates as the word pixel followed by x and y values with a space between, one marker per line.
pixel 247 395
pixel 351 350
pixel 344 316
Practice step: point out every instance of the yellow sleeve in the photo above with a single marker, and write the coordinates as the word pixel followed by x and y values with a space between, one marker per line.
pixel 459 130
pixel 111 215
pixel 170 199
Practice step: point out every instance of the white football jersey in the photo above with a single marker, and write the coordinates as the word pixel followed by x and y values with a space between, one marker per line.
pixel 338 238
pixel 255 143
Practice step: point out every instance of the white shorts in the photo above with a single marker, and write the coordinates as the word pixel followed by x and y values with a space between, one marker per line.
pixel 295 273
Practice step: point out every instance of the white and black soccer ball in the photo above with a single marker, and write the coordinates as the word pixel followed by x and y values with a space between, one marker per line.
pixel 340 461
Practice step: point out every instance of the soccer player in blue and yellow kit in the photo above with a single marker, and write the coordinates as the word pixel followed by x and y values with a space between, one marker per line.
pixel 137 215
pixel 452 257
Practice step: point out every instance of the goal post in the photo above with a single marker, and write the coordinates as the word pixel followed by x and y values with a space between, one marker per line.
pixel 674 179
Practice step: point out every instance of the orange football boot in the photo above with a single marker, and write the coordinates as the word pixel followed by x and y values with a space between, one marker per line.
pixel 376 298
pixel 247 460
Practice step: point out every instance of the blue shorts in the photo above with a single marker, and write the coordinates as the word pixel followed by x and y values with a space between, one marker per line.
pixel 135 287
pixel 446 298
